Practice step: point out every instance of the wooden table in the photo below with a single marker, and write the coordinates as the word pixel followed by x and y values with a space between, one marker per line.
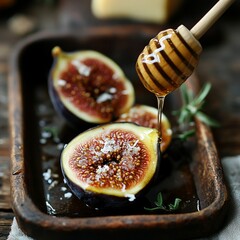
pixel 43 16
pixel 6 214
pixel 220 64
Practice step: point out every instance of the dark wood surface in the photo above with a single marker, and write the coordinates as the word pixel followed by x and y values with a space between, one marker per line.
pixel 32 159
pixel 6 214
pixel 220 64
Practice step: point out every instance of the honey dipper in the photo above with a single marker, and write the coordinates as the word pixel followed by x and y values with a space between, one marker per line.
pixel 171 57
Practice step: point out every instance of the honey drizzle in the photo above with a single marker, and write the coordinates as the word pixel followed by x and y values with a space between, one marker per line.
pixel 160 104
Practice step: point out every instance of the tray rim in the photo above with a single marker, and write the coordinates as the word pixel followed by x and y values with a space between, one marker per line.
pixel 24 208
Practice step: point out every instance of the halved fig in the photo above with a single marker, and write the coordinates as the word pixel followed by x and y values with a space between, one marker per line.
pixel 147 116
pixel 111 165
pixel 88 86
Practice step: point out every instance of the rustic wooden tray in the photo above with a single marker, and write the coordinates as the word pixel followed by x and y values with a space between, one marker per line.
pixel 44 206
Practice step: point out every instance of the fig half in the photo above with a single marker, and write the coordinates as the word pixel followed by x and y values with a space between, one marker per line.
pixel 111 165
pixel 88 86
pixel 147 116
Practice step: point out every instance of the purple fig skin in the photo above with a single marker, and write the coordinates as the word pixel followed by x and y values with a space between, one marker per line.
pixel 97 94
pixel 71 119
pixel 99 200
pixel 95 200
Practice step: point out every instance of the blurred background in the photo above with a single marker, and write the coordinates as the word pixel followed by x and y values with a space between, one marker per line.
pixel 219 64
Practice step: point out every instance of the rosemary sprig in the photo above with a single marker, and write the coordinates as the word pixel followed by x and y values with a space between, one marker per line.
pixel 192 107
pixel 186 134
pixel 160 206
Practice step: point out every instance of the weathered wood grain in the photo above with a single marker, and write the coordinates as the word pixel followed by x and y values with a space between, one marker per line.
pixel 4 184
pixel 220 64
pixel 5 224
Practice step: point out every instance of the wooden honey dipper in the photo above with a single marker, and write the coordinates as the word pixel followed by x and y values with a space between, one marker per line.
pixel 171 57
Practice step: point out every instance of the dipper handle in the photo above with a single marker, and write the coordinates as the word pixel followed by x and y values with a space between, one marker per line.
pixel 210 18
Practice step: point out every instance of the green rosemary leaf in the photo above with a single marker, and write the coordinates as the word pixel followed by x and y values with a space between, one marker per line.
pixel 183 115
pixel 192 109
pixel 159 201
pixel 192 106
pixel 202 94
pixel 207 120
pixel 160 206
pixel 185 135
pixel 175 206
pixel 152 209
pixel 184 94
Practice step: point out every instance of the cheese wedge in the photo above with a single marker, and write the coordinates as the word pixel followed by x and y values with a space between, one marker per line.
pixel 156 11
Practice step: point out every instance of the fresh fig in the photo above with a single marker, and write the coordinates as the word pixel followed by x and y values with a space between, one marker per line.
pixel 147 116
pixel 88 86
pixel 112 164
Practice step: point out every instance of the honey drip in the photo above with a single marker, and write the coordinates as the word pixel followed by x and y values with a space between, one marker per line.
pixel 160 103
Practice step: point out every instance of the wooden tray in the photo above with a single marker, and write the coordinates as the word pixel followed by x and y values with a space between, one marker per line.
pixel 44 206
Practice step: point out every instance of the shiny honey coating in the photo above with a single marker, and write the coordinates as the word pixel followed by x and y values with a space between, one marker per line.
pixel 168 60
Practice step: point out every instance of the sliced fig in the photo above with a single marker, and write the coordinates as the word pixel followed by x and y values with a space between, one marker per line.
pixel 112 164
pixel 147 116
pixel 88 86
